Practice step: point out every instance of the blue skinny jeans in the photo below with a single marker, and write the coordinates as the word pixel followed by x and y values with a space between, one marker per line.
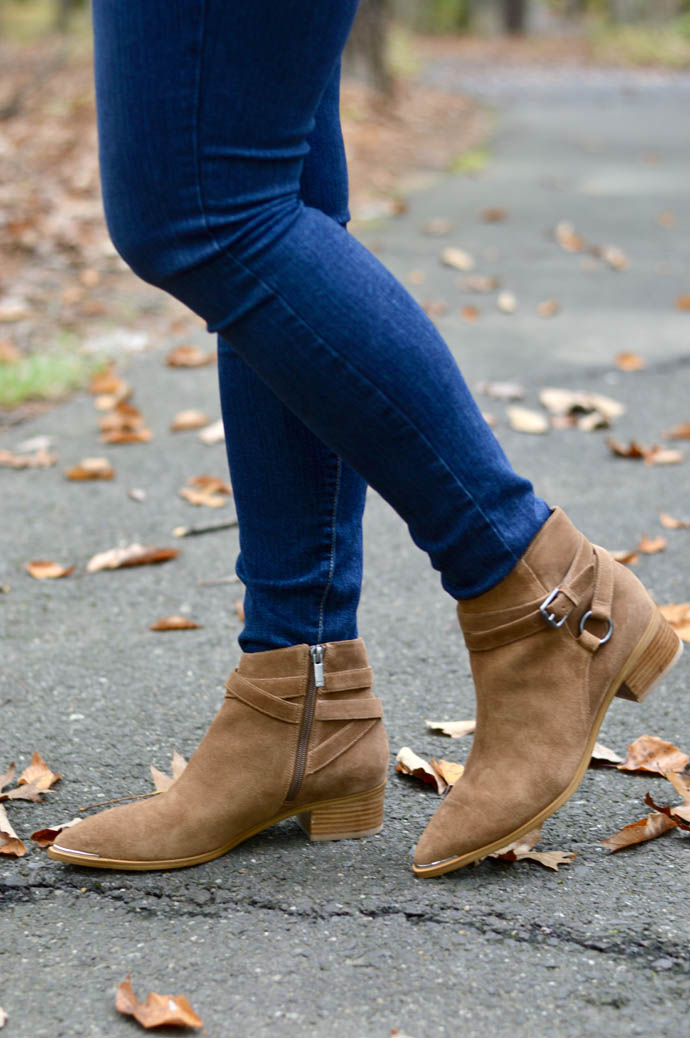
pixel 225 184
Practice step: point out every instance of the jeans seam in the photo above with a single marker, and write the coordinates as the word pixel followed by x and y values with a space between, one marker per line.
pixel 227 257
pixel 331 555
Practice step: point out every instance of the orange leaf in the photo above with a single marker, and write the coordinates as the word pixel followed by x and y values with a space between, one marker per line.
pixel 174 623
pixel 38 773
pixel 679 432
pixel 46 837
pixel 449 770
pixel 7 777
pixel 157 1010
pixel 127 436
pixel 41 459
pixel 633 450
pixel 683 302
pixel 651 754
pixel 662 456
pixel 629 361
pixel 651 545
pixel 639 832
pixel 548 308
pixel 10 844
pixel 190 419
pixel 132 555
pixel 679 618
pixel 494 214
pixel 188 357
pixel 673 524
pixel 470 313
pixel 42 569
pixel 627 558
pixel 91 468
pixel 679 814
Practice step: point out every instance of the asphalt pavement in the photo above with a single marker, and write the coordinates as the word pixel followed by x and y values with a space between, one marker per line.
pixel 283 937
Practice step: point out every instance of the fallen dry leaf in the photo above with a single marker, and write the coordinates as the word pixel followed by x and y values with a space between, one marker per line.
pixel 494 214
pixel 469 313
pixel 575 402
pixel 194 531
pixel 189 357
pixel 506 302
pixel 501 390
pixel 3 1017
pixel 407 762
pixel 652 755
pixel 522 850
pixel 438 225
pixel 639 832
pixel 91 468
pixel 663 456
pixel 213 433
pixel 163 782
pixel 523 419
pixel 449 771
pixel 208 491
pixel 105 382
pixel 673 524
pixel 46 837
pixel 614 256
pixel 567 237
pixel 132 555
pixel 41 459
pixel 603 755
pixel 191 419
pixel 629 361
pixel 455 729
pixel 38 773
pixel 457 258
pixel 679 813
pixel 10 844
pixel 481 283
pixel 679 432
pixel 653 455
pixel 651 545
pixel 548 308
pixel 43 569
pixel 683 302
pixel 627 558
pixel 124 424
pixel 7 777
pixel 239 609
pixel 30 791
pixel 678 615
pixel 174 623
pixel 157 1010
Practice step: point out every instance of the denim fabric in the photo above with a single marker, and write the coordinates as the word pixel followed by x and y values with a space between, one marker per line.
pixel 206 111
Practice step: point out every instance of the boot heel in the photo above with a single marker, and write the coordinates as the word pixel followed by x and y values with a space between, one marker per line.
pixel 349 818
pixel 654 661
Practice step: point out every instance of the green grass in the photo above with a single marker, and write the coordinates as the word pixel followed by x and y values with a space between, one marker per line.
pixel 472 161
pixel 44 376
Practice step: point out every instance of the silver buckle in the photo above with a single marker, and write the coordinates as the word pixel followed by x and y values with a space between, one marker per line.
pixel 607 636
pixel 551 617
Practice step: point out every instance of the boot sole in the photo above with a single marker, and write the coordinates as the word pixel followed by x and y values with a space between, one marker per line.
pixel 653 658
pixel 344 818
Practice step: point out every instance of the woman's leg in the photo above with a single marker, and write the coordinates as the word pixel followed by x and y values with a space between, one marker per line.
pixel 201 183
pixel 299 505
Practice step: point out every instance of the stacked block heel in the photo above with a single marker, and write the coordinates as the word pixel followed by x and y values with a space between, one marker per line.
pixel 657 653
pixel 345 819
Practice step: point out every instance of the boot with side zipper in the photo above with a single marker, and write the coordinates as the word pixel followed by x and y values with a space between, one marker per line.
pixel 550 646
pixel 299 734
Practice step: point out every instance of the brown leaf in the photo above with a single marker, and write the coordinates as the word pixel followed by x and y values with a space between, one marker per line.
pixel 627 558
pixel 678 813
pixel 457 258
pixel 481 283
pixel 673 524
pixel 567 237
pixel 189 357
pixel 10 844
pixel 7 777
pixel 127 436
pixel 46 837
pixel 42 569
pixel 124 417
pixel 580 402
pixel 157 1010
pixel 651 545
pixel 41 459
pixel 409 763
pixel 469 313
pixel 679 432
pixel 639 832
pixel 108 383
pixel 185 420
pixel 663 456
pixel 626 361
pixel 652 755
pixel 522 850
pixel 603 755
pixel 633 449
pixel 678 615
pixel 548 308
pixel 449 771
pixel 615 257
pixel 163 782
pixel 174 623
pixel 203 498
pixel 38 773
pixel 494 214
pixel 455 729
pixel 91 468
pixel 523 419
pixel 132 555
pixel 683 302
pixel 28 791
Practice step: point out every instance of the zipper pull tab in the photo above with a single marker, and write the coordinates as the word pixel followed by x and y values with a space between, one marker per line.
pixel 317 652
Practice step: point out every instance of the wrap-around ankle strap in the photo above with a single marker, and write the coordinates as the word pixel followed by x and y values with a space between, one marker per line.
pixel 587 583
pixel 239 687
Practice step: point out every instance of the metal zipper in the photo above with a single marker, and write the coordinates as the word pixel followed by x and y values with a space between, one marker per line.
pixel 316 681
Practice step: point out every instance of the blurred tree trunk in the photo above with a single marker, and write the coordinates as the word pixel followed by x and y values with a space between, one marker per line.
pixel 514 15
pixel 365 54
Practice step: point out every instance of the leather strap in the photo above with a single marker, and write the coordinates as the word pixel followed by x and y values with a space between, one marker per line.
pixel 343 680
pixel 336 744
pixel 348 709
pixel 239 688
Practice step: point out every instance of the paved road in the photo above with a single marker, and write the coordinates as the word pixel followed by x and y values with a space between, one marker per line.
pixel 284 938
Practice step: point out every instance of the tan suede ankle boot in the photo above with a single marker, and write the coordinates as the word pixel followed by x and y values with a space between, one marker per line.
pixel 299 733
pixel 550 646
